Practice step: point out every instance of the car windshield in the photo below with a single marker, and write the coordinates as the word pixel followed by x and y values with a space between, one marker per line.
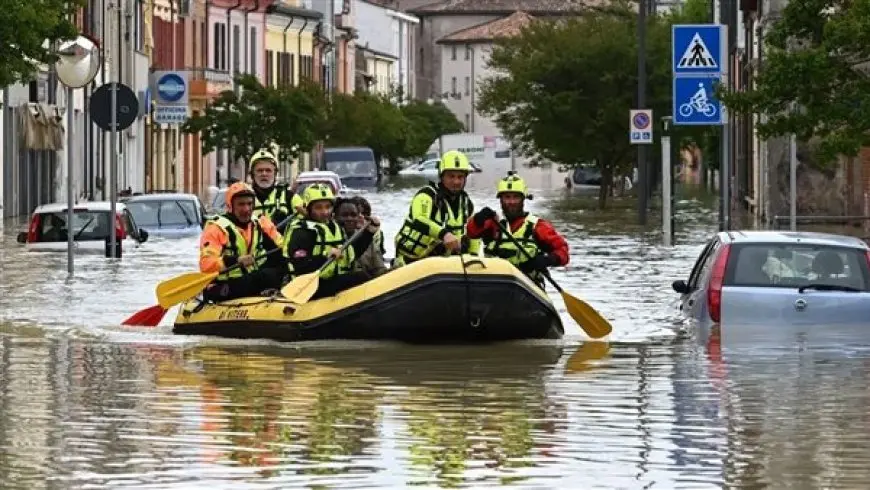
pixel 87 225
pixel 795 265
pixel 162 213
pixel 300 188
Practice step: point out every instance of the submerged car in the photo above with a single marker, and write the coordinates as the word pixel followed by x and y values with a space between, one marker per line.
pixel 47 231
pixel 778 279
pixel 356 166
pixel 429 169
pixel 306 179
pixel 168 215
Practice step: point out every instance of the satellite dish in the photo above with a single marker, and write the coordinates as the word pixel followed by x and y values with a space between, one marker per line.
pixel 78 63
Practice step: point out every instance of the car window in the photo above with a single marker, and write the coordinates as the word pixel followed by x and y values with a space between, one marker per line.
pixel 87 225
pixel 703 258
pixel 797 264
pixel 170 212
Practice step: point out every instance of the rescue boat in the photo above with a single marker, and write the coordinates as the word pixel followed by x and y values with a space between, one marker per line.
pixel 438 299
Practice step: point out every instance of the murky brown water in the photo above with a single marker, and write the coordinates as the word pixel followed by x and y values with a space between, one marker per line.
pixel 85 403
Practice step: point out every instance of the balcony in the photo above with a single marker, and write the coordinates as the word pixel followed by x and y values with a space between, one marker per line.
pixel 207 83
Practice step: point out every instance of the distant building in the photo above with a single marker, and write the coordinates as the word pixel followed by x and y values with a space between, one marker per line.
pixel 385 48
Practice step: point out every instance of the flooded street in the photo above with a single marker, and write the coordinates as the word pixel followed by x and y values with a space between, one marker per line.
pixel 85 403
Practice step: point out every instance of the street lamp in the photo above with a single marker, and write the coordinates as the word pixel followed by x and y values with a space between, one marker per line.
pixel 77 65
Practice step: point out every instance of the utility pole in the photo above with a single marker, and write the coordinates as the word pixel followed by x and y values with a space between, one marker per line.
pixel 642 192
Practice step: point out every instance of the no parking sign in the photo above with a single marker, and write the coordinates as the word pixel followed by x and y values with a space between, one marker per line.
pixel 640 127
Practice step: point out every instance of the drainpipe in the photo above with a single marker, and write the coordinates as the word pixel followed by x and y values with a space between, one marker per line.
pixel 247 37
pixel 238 4
pixel 230 36
pixel 286 28
pixel 299 52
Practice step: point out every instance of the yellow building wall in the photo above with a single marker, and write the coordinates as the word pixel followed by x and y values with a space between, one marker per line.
pixel 275 42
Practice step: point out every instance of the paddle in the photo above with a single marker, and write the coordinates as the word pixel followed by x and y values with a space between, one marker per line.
pixel 177 290
pixel 595 325
pixel 303 287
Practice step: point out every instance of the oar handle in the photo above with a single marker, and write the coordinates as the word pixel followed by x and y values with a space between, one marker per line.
pixel 270 252
pixel 525 252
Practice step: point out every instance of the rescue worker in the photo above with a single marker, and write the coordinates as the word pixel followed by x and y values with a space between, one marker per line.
pixel 436 220
pixel 545 246
pixel 274 200
pixel 318 237
pixel 234 238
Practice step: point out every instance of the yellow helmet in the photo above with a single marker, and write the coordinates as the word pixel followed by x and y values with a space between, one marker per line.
pixel 512 183
pixel 454 160
pixel 317 192
pixel 262 155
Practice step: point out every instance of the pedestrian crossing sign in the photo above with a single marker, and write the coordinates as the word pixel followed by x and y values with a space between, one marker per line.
pixel 698 49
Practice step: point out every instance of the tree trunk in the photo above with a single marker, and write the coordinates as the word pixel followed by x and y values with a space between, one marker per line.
pixel 606 186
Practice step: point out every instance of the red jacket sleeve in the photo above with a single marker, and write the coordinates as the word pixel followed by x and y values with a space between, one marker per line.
pixel 475 231
pixel 551 241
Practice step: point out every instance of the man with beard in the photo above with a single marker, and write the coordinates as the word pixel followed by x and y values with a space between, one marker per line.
pixel 545 247
pixel 436 221
pixel 234 238
pixel 273 200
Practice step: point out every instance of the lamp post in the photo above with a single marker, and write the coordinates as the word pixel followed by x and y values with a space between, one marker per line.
pixel 77 66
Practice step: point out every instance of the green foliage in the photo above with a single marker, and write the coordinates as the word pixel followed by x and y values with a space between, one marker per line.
pixel 816 57
pixel 25 26
pixel 296 118
pixel 262 117
pixel 566 87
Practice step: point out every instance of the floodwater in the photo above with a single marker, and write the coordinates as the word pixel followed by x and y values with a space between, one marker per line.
pixel 85 403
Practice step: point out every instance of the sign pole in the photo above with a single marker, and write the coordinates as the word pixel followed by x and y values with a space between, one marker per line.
pixel 666 182
pixel 70 196
pixel 77 66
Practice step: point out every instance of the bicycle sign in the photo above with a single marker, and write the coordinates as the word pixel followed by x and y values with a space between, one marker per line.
pixel 695 103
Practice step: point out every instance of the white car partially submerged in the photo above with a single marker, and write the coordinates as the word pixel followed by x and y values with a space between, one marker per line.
pixel 429 169
pixel 48 229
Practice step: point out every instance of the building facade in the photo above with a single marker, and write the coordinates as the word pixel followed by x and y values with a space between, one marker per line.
pixel 440 19
pixel 386 39
pixel 465 63
pixel 34 169
pixel 290 58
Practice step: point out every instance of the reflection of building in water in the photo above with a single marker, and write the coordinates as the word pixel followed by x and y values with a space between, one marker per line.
pixel 457 426
pixel 277 410
pixel 26 406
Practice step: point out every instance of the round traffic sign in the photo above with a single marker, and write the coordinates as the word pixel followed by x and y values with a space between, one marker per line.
pixel 127 106
pixel 170 87
pixel 641 120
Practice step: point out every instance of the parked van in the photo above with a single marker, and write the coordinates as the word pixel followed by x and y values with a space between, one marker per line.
pixel 356 166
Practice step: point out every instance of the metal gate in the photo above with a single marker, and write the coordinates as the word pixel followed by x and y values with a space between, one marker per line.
pixel 28 175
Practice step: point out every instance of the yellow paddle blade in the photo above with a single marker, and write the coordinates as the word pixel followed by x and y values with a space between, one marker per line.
pixel 302 288
pixel 589 351
pixel 182 288
pixel 595 325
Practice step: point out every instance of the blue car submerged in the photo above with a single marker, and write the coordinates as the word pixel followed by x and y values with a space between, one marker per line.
pixel 168 215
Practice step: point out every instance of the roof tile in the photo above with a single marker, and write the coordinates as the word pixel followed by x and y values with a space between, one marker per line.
pixel 504 27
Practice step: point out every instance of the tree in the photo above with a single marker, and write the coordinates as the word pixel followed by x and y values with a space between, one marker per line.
pixel 262 117
pixel 425 123
pixel 817 57
pixel 565 88
pixel 392 132
pixel 27 31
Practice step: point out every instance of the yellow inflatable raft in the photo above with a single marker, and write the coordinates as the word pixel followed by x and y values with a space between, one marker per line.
pixel 435 299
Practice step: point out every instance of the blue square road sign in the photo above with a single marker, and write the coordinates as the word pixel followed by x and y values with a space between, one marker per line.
pixel 698 49
pixel 695 104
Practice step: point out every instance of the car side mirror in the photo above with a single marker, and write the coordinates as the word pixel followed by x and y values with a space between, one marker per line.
pixel 22 237
pixel 680 287
pixel 143 235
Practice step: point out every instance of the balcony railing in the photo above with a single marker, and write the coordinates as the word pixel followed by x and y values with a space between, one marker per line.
pixel 211 75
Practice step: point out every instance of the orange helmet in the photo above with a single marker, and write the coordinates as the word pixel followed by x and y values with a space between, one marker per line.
pixel 238 189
